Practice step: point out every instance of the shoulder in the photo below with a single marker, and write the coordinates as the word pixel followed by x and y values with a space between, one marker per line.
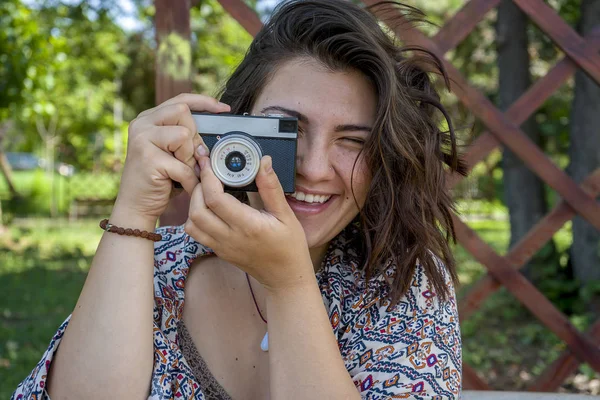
pixel 424 294
pixel 426 314
pixel 419 307
pixel 411 346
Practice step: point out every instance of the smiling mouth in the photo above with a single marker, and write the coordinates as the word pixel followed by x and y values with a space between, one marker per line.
pixel 310 198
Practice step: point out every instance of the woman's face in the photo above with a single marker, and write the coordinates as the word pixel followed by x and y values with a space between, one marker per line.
pixel 335 111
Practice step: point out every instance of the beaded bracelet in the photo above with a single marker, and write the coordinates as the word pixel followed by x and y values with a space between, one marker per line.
pixel 108 227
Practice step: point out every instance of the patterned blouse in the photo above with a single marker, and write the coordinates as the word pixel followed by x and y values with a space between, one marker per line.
pixel 412 351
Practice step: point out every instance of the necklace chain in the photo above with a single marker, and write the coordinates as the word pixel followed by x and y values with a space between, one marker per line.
pixel 254 298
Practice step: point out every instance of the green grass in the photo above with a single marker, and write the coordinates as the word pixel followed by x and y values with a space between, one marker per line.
pixel 43 264
pixel 42 270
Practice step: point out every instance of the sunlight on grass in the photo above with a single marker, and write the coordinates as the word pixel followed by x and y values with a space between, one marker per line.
pixel 52 236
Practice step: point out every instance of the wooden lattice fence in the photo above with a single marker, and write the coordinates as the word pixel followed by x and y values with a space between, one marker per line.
pixel 504 130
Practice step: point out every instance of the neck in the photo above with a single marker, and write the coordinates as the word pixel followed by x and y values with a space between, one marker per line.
pixel 317 254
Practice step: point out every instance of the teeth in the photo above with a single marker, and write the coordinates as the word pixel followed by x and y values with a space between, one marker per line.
pixel 310 198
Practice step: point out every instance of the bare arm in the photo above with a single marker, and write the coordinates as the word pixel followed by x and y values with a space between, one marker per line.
pixel 107 349
pixel 304 358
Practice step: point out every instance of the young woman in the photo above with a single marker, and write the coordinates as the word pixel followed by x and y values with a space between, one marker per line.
pixel 351 276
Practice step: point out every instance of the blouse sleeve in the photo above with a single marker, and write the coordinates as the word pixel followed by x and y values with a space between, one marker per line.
pixel 411 351
pixel 34 386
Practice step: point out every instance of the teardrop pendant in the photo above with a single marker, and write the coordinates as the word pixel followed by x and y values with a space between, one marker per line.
pixel 264 345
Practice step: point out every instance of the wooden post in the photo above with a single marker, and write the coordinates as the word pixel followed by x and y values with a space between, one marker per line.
pixel 173 75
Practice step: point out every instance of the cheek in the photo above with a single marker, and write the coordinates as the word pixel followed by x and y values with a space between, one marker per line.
pixel 359 180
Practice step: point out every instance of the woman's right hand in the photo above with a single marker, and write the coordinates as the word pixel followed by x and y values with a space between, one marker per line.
pixel 160 150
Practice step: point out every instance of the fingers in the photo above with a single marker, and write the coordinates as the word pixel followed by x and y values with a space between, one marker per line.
pixel 224 205
pixel 195 102
pixel 270 190
pixel 183 140
pixel 177 171
pixel 175 140
pixel 201 236
pixel 177 112
pixel 199 102
pixel 203 224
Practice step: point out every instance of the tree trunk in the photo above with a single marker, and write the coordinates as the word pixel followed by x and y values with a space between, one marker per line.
pixel 7 172
pixel 584 155
pixel 50 135
pixel 5 168
pixel 523 190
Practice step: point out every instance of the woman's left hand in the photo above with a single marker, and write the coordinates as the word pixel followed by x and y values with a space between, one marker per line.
pixel 268 244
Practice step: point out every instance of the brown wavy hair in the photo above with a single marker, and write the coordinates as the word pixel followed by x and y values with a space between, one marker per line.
pixel 406 218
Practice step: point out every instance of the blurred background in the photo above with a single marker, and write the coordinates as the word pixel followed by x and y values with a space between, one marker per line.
pixel 73 74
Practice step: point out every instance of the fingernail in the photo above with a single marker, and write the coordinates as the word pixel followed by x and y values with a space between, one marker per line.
pixel 197 170
pixel 202 150
pixel 268 164
pixel 223 105
pixel 203 163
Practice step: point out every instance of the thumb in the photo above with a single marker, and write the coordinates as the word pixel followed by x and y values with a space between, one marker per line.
pixel 270 190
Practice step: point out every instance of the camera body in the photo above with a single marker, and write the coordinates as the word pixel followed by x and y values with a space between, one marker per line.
pixel 237 143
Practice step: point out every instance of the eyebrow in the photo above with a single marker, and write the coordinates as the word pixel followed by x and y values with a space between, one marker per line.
pixel 303 118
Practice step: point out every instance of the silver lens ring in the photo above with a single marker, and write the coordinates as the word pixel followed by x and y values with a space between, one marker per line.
pixel 247 148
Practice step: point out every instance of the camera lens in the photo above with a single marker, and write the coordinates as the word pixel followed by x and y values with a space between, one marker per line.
pixel 235 161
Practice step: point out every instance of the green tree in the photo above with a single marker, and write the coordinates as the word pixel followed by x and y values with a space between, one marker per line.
pixel 72 105
pixel 219 43
pixel 20 48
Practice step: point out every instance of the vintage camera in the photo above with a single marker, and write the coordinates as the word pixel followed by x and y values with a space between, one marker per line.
pixel 238 142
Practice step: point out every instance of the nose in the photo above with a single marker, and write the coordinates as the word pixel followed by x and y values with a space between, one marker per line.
pixel 313 160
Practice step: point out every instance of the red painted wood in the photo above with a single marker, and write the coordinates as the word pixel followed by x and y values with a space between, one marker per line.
pixel 499 125
pixel 172 18
pixel 243 14
pixel 462 23
pixel 522 252
pixel 527 294
pixel 563 35
pixel 472 381
pixel 563 366
pixel 525 106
